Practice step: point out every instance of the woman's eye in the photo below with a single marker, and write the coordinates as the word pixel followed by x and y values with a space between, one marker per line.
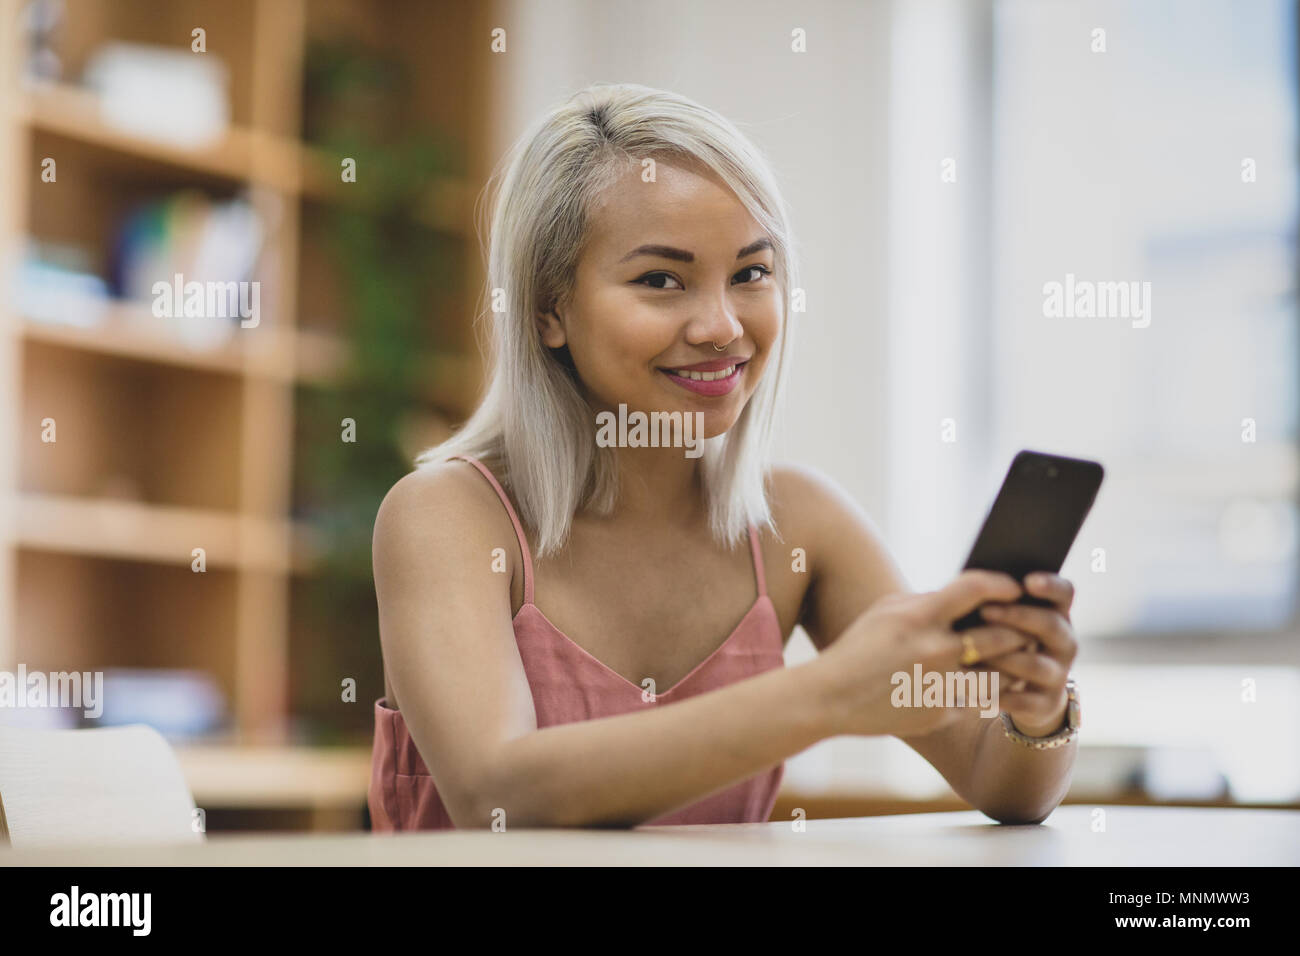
pixel 762 270
pixel 653 277
pixel 660 280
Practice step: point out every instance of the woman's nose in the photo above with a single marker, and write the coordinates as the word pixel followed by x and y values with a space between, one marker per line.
pixel 721 325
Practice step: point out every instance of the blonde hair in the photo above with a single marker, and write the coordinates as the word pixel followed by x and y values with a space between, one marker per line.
pixel 533 421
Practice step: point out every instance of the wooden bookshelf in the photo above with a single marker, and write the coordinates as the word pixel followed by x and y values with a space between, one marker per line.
pixel 163 447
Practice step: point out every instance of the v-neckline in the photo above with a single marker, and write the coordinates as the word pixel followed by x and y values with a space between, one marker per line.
pixel 613 673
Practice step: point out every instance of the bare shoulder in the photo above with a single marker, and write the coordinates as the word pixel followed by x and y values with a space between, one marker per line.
pixel 808 502
pixel 848 561
pixel 438 514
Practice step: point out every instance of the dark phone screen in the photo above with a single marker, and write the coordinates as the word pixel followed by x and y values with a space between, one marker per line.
pixel 1032 525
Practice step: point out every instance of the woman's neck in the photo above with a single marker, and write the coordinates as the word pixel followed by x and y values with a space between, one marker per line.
pixel 658 486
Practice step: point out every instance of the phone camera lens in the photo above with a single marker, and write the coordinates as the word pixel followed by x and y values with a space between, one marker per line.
pixel 1051 471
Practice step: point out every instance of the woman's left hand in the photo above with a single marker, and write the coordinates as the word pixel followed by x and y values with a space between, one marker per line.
pixel 1032 687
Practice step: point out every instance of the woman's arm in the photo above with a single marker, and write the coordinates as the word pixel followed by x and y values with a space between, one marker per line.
pixel 449 651
pixel 851 569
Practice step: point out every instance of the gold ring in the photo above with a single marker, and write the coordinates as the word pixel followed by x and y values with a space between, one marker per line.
pixel 969 655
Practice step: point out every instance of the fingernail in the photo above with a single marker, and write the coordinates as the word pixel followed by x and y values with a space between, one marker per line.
pixel 1037 580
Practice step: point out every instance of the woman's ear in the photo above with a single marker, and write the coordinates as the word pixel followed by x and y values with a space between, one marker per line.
pixel 551 329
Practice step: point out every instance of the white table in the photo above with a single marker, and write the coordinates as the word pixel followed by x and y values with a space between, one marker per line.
pixel 1145 836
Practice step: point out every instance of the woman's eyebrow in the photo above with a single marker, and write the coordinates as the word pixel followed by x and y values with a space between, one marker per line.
pixel 681 255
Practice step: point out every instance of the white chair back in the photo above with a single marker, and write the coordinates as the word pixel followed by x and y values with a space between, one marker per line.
pixel 112 785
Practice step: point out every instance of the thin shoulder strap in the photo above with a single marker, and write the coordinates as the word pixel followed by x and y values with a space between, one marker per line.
pixel 514 519
pixel 758 561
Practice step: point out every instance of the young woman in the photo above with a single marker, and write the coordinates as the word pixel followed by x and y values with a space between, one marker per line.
pixel 579 634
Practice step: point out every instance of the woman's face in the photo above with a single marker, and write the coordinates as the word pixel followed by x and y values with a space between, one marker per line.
pixel 671 268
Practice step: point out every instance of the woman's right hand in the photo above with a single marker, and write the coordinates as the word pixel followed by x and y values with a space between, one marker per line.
pixel 900 631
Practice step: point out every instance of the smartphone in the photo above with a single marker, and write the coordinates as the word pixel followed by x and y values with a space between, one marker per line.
pixel 1034 520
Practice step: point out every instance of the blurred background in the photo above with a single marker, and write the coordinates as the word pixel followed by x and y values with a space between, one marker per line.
pixel 189 500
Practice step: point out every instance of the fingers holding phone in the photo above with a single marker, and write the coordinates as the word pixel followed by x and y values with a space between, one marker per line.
pixel 1036 674
pixel 900 633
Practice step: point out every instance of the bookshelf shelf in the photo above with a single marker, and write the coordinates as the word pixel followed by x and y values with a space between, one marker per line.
pixel 240 155
pixel 307 356
pixel 125 529
pixel 136 531
pixel 129 331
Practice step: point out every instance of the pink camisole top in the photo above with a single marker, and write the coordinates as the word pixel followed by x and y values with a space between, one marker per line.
pixel 568 684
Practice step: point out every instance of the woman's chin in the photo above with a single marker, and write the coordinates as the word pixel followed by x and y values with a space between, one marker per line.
pixel 636 423
pixel 717 424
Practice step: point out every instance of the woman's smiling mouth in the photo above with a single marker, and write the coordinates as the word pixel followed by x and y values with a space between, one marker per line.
pixel 714 378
